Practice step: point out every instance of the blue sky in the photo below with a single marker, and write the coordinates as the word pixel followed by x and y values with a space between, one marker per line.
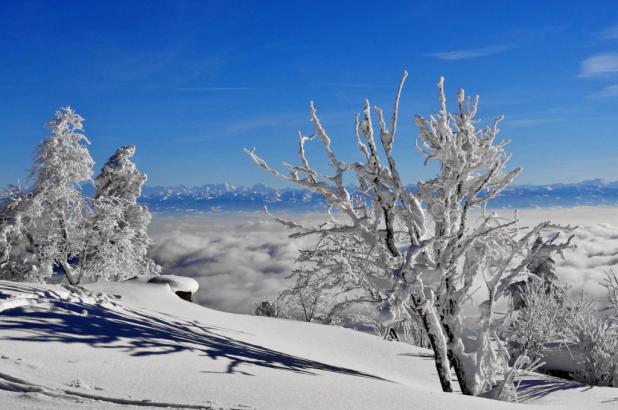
pixel 191 83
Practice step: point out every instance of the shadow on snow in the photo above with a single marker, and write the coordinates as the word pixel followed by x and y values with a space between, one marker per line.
pixel 142 334
pixel 541 386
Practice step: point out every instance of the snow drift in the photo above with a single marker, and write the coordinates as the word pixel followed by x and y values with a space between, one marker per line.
pixel 138 345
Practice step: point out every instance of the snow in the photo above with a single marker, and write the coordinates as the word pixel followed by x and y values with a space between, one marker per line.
pixel 177 283
pixel 135 344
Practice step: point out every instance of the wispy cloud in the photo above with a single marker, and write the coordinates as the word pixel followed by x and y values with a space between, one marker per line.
pixel 609 91
pixel 265 121
pixel 597 65
pixel 128 87
pixel 611 33
pixel 470 53
pixel 207 89
pixel 348 85
pixel 298 119
pixel 530 122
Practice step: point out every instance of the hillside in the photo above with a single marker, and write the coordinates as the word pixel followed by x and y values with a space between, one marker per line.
pixel 138 345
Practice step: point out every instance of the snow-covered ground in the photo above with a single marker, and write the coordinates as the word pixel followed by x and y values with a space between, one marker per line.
pixel 137 345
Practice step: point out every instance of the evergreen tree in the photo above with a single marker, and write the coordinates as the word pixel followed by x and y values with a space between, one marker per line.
pixel 43 228
pixel 119 241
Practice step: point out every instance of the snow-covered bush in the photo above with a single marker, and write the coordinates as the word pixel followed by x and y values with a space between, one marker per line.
pixel 429 252
pixel 411 331
pixel 611 284
pixel 540 319
pixel 266 308
pixel 597 346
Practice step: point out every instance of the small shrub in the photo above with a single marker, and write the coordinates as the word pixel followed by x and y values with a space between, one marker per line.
pixel 265 308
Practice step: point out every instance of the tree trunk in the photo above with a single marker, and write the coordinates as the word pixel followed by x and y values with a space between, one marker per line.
pixel 438 344
pixel 68 272
pixel 460 372
pixel 453 334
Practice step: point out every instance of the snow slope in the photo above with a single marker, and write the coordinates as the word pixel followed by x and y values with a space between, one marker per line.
pixel 137 345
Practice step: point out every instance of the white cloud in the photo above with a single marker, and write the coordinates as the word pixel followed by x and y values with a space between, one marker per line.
pixel 236 261
pixel 597 246
pixel 611 32
pixel 531 122
pixel 347 85
pixel 470 53
pixel 599 65
pixel 207 89
pixel 239 259
pixel 609 91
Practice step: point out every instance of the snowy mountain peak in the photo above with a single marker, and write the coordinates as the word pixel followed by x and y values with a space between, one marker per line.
pixel 226 196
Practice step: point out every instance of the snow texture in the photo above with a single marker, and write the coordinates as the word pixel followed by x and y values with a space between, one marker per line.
pixel 137 345
pixel 177 283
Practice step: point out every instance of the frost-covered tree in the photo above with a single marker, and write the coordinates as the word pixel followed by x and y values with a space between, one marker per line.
pixel 119 177
pixel 18 259
pixel 596 342
pixel 306 299
pixel 542 268
pixel 596 337
pixel 333 276
pixel 338 282
pixel 119 241
pixel 52 214
pixel 540 319
pixel 611 284
pixel 430 253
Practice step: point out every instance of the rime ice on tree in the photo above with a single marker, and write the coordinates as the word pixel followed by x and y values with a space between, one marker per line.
pixel 426 271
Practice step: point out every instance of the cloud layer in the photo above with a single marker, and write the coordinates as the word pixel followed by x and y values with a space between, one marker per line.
pixel 597 246
pixel 239 259
pixel 236 260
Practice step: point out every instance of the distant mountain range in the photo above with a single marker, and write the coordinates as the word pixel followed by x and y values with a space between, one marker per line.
pixel 225 197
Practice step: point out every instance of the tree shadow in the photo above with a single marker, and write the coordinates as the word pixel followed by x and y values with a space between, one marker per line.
pixel 140 333
pixel 541 386
pixel 426 356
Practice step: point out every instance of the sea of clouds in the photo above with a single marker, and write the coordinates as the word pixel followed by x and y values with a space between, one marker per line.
pixel 242 258
pixel 238 259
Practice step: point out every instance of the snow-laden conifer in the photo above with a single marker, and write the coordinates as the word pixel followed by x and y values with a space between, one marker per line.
pixel 119 241
pixel 51 216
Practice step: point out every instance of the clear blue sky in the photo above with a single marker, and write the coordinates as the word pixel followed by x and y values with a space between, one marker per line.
pixel 192 82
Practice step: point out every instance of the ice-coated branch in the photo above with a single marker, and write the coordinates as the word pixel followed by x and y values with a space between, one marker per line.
pixel 381 251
